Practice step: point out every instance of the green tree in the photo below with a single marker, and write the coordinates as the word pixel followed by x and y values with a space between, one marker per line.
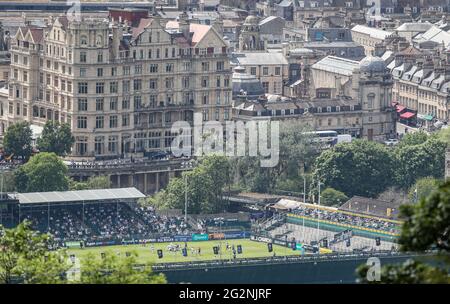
pixel 205 186
pixel 76 185
pixel 420 160
pixel 409 272
pixel 444 135
pixel 412 139
pixel 427 223
pixel 422 188
pixel 56 137
pixel 99 182
pixel 296 153
pixel 7 181
pixel 333 197
pixel 25 257
pixel 114 270
pixel 44 172
pixel 94 182
pixel 18 139
pixel 200 192
pixel 361 167
pixel 426 226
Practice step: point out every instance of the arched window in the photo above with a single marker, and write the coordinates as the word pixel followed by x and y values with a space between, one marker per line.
pixel 83 40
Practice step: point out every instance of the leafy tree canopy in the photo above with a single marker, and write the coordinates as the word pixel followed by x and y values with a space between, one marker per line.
pixel 423 188
pixel 18 139
pixel 25 257
pixel 361 167
pixel 419 160
pixel 44 172
pixel 332 197
pixel 56 137
pixel 114 270
pixel 204 185
pixel 426 226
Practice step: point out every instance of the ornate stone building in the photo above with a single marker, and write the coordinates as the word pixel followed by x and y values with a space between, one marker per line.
pixel 4 54
pixel 119 87
pixel 250 39
pixel 350 97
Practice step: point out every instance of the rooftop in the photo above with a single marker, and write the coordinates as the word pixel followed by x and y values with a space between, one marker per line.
pixel 259 58
pixel 78 196
pixel 336 65
pixel 372 32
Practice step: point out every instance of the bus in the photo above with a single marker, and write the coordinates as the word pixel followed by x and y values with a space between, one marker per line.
pixel 324 137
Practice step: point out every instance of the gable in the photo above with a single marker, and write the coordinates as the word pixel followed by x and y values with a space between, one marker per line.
pixel 211 38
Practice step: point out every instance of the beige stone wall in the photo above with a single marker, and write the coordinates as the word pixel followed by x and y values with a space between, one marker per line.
pixel 129 104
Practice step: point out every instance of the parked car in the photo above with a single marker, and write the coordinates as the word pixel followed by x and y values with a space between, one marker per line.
pixel 391 142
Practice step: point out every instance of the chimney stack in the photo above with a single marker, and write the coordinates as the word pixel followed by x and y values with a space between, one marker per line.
pixel 184 25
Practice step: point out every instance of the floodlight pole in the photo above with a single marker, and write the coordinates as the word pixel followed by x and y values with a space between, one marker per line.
pixel 185 198
pixel 318 222
pixel 304 189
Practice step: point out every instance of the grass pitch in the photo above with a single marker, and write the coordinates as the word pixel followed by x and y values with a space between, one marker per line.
pixel 250 249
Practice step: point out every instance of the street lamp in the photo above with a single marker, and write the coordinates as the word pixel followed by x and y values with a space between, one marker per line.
pixel 186 165
pixel 318 202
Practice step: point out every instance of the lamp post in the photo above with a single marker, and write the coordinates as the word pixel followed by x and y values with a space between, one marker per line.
pixel 318 203
pixel 304 189
pixel 186 165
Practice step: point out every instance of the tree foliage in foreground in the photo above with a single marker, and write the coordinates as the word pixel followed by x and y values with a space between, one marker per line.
pixel 409 272
pixel 25 257
pixel 117 270
pixel 426 226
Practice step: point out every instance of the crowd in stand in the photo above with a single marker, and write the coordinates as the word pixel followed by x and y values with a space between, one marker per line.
pixel 104 221
pixel 103 163
pixel 354 220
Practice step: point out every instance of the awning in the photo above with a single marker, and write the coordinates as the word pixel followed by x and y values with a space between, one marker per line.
pixel 286 204
pixel 425 117
pixel 400 108
pixel 407 115
pixel 296 83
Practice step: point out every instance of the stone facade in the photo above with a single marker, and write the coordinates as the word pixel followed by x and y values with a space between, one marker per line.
pixel 119 87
